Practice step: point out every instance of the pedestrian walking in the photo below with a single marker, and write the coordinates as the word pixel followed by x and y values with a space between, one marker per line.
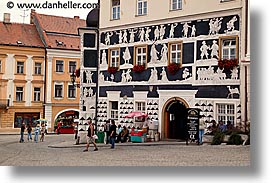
pixel 43 130
pixel 90 137
pixel 113 134
pixel 36 132
pixel 75 131
pixel 201 130
pixel 22 130
pixel 29 130
pixel 107 132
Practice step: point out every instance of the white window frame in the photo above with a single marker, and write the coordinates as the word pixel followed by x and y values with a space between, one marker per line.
pixel 113 112
pixel 226 112
pixel 19 94
pixel 72 68
pixel 62 91
pixel 142 7
pixel 20 68
pixel 177 53
pixel 115 13
pixel 141 106
pixel 59 68
pixel 36 94
pixel 74 89
pixel 176 4
pixel 37 69
pixel 114 57
pixel 230 48
pixel 141 58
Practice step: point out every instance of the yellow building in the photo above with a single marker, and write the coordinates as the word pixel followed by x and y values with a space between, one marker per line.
pixel 61 40
pixel 22 65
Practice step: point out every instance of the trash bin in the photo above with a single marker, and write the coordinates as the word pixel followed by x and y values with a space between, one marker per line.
pixel 100 137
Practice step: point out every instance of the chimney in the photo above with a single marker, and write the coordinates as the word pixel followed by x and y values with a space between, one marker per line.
pixel 76 17
pixel 7 18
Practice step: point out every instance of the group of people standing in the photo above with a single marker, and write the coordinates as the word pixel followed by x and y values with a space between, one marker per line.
pixel 37 130
pixel 112 134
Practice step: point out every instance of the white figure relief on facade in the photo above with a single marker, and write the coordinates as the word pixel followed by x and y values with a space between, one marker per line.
pixel 154 76
pixel 89 75
pixel 104 58
pixel 214 49
pixel 234 74
pixel 85 93
pixel 156 33
pixel 128 76
pixel 132 35
pixel 220 74
pixel 108 38
pixel 185 74
pixel 147 34
pixel 172 30
pixel 230 25
pixel 120 38
pixel 232 91
pixel 101 78
pixel 205 73
pixel 163 75
pixel 125 36
pixel 112 77
pixel 154 54
pixel 126 55
pixel 164 52
pixel 123 77
pixel 215 26
pixel 161 32
pixel 141 35
pixel 193 31
pixel 204 50
pixel 185 29
pixel 90 92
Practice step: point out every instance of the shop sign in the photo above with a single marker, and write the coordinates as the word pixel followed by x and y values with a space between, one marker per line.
pixel 193 124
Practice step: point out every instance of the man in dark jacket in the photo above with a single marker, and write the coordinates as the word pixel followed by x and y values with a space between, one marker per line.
pixel 112 134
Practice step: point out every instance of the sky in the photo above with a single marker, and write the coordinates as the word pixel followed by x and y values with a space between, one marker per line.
pixel 262 109
pixel 65 8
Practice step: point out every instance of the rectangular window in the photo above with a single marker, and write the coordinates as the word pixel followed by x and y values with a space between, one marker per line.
pixel 37 68
pixel 19 93
pixel 71 91
pixel 226 112
pixel 228 47
pixel 20 68
pixel 0 66
pixel 114 110
pixel 141 7
pixel 114 58
pixel 72 66
pixel 115 9
pixel 36 94
pixel 141 55
pixel 176 4
pixel 140 106
pixel 59 66
pixel 175 53
pixel 58 91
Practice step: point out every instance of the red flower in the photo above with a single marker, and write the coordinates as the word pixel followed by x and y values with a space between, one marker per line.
pixel 173 67
pixel 228 64
pixel 112 70
pixel 138 68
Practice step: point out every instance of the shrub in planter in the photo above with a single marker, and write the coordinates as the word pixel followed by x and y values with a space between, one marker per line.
pixel 235 139
pixel 218 138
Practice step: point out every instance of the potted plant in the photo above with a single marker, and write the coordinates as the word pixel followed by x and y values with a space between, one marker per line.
pixel 112 70
pixel 139 68
pixel 228 64
pixel 173 67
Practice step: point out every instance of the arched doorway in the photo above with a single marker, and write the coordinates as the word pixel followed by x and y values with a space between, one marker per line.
pixel 175 119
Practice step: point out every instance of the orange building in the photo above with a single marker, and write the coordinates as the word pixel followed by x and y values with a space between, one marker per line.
pixel 62 43
pixel 22 66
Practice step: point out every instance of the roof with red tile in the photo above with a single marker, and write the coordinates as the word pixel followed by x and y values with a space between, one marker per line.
pixel 19 35
pixel 59 32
